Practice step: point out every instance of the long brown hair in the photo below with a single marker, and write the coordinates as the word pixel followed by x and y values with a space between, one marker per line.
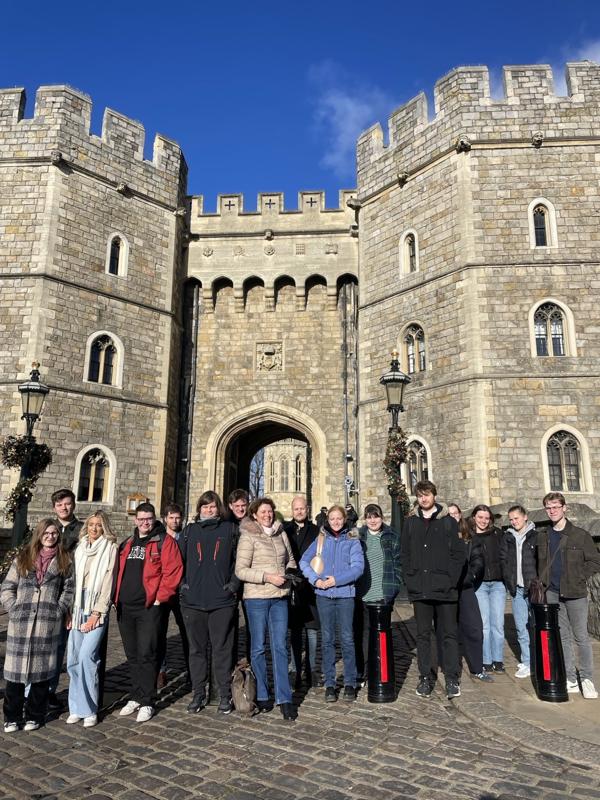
pixel 28 554
pixel 471 521
pixel 463 529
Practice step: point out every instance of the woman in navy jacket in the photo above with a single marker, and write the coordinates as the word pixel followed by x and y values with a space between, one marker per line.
pixel 335 588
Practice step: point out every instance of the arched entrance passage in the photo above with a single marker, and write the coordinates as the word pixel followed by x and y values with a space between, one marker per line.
pixel 232 445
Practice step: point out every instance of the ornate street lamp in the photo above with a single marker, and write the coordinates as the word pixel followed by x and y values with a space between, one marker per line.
pixel 394 381
pixel 33 393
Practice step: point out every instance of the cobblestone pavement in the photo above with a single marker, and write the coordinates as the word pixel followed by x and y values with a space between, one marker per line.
pixel 435 749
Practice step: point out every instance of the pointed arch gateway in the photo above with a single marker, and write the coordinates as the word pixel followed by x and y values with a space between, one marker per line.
pixel 232 445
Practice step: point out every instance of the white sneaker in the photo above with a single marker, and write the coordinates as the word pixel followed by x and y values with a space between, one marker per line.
pixel 523 671
pixel 573 687
pixel 30 725
pixel 90 721
pixel 72 719
pixel 144 714
pixel 130 708
pixel 11 727
pixel 588 689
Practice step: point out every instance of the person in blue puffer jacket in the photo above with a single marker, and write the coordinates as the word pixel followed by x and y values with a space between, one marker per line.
pixel 334 578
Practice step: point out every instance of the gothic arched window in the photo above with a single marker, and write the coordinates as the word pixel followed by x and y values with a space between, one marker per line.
pixel 284 475
pixel 271 475
pixel 93 482
pixel 414 349
pixel 564 462
pixel 117 255
pixel 298 474
pixel 550 327
pixel 417 464
pixel 102 361
pixel 409 253
pixel 542 223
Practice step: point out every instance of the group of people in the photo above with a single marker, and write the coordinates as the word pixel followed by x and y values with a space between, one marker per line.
pixel 294 579
pixel 458 573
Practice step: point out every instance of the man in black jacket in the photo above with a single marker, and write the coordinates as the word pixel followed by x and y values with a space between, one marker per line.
pixel 433 558
pixel 567 557
pixel 302 612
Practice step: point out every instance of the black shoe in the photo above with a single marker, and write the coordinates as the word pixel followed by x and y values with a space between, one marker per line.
pixel 498 666
pixel 425 687
pixel 197 704
pixel 317 682
pixel 264 706
pixel 452 689
pixel 330 695
pixel 349 693
pixel 288 710
pixel 484 676
pixel 225 706
pixel 487 667
pixel 54 704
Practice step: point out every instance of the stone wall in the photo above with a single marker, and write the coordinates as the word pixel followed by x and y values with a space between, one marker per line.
pixel 464 183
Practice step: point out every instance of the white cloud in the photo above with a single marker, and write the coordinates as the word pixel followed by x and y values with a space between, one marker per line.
pixel 588 51
pixel 343 108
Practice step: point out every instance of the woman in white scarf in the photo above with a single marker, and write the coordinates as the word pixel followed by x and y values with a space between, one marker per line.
pixel 94 560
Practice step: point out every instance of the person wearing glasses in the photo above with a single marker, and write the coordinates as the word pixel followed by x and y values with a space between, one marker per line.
pixel 36 594
pixel 149 574
pixel 567 557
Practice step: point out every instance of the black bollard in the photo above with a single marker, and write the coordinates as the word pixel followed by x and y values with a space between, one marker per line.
pixel 381 672
pixel 549 676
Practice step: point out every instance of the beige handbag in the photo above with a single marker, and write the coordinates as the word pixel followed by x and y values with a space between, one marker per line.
pixel 316 563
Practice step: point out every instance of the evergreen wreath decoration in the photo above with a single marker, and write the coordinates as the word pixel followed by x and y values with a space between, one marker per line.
pixel 16 452
pixel 395 456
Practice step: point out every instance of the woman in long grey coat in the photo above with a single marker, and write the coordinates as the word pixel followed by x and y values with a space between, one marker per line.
pixel 37 594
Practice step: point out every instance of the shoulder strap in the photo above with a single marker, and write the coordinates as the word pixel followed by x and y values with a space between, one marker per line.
pixel 320 543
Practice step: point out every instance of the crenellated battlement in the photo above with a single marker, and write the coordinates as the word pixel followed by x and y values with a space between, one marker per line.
pixel 61 124
pixel 463 106
pixel 271 212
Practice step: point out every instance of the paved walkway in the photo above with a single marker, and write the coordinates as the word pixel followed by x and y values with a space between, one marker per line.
pixel 496 742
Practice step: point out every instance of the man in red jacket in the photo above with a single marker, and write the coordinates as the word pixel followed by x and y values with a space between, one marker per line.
pixel 150 570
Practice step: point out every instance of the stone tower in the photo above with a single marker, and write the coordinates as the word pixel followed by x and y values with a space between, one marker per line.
pixel 90 282
pixel 270 336
pixel 480 250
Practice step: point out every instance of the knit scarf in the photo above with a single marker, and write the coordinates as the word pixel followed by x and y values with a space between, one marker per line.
pixel 85 597
pixel 42 562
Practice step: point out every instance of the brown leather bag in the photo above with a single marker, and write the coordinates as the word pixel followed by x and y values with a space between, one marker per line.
pixel 317 564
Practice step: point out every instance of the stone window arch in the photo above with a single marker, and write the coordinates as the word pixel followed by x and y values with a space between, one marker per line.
pixel 408 252
pixel 542 224
pixel 418 463
pixel 552 329
pixel 95 469
pixel 414 358
pixel 566 461
pixel 117 255
pixel 284 475
pixel 103 362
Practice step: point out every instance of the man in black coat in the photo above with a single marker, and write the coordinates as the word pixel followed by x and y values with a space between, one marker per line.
pixel 433 559
pixel 302 611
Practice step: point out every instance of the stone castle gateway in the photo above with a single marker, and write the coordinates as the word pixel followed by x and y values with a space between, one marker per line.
pixel 177 343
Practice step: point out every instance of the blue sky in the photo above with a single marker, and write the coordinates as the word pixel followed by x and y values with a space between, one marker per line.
pixel 269 96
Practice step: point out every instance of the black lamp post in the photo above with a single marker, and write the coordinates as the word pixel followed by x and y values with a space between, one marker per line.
pixel 394 381
pixel 33 393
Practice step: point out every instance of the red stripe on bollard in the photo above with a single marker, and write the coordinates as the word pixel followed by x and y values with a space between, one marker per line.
pixel 383 656
pixel 545 655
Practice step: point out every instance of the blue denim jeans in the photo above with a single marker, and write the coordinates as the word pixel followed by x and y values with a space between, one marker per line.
pixel 271 614
pixel 297 650
pixel 337 612
pixel 491 597
pixel 83 663
pixel 520 610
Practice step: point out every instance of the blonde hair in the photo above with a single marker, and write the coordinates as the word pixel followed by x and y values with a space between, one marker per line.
pixel 107 531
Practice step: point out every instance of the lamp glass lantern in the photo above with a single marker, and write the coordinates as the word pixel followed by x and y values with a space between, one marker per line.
pixel 33 393
pixel 395 382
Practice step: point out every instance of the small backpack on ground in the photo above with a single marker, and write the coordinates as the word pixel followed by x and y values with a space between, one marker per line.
pixel 243 688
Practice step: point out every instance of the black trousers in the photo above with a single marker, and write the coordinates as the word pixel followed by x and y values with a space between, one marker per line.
pixel 470 630
pixel 141 630
pixel 173 606
pixel 35 705
pixel 445 615
pixel 218 627
pixel 361 638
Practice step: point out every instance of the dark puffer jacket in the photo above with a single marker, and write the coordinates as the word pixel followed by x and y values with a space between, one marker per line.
pixel 490 544
pixel 473 569
pixel 433 556
pixel 508 559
